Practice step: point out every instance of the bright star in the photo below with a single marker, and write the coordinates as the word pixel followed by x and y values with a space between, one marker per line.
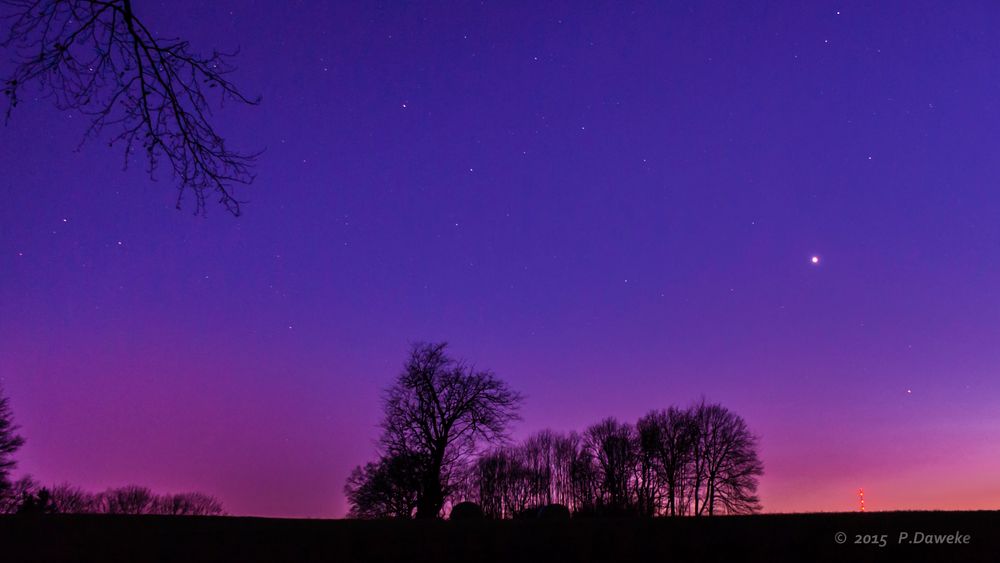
pixel 815 260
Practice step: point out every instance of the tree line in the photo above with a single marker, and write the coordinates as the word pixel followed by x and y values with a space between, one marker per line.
pixel 445 441
pixel 27 496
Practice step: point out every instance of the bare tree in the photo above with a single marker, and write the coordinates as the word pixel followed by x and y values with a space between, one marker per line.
pixel 613 446
pixel 442 410
pixel 725 463
pixel 586 481
pixel 545 468
pixel 70 499
pixel 676 462
pixel 667 439
pixel 10 442
pixel 502 483
pixel 17 492
pixel 38 502
pixel 187 504
pixel 387 488
pixel 537 455
pixel 566 449
pixel 99 58
pixel 131 499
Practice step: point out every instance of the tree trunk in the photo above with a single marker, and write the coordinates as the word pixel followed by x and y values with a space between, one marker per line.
pixel 432 496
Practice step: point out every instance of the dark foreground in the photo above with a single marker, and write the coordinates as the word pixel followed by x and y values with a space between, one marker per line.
pixel 782 537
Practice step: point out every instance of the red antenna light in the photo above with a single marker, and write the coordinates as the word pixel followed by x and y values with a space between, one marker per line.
pixel 861 499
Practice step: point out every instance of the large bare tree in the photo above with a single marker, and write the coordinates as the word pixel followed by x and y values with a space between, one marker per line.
pixel 146 92
pixel 442 411
pixel 725 465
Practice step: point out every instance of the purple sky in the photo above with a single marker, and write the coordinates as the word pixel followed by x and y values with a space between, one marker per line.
pixel 614 209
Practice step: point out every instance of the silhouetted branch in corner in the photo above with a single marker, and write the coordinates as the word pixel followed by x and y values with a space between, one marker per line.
pixel 98 57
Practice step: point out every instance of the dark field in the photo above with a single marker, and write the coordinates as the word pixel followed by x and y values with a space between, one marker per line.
pixel 785 537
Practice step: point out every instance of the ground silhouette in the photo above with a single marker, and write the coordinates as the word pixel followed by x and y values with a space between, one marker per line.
pixel 772 538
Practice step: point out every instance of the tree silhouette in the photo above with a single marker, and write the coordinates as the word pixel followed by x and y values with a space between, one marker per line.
pixel 31 498
pixel 16 493
pixel 614 448
pixel 69 499
pixel 667 437
pixel 187 504
pixel 10 442
pixel 502 483
pixel 437 414
pixel 535 473
pixel 39 502
pixel 674 462
pixel 387 488
pixel 726 466
pixel 131 499
pixel 98 57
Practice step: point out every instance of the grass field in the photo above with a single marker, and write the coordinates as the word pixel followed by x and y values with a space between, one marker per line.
pixel 779 537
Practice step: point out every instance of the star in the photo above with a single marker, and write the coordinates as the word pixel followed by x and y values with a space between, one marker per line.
pixel 814 259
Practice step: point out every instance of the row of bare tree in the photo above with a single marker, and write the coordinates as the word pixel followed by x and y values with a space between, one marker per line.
pixel 26 496
pixel 674 462
pixel 445 440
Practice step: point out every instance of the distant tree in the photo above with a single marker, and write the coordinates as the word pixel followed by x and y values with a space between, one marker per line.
pixel 69 499
pixel 39 502
pixel 131 499
pixel 441 411
pixel 725 465
pixel 614 448
pixel 503 482
pixel 488 482
pixel 101 59
pixel 16 493
pixel 187 504
pixel 675 462
pixel 546 468
pixel 10 442
pixel 566 450
pixel 647 480
pixel 586 481
pixel 666 439
pixel 388 488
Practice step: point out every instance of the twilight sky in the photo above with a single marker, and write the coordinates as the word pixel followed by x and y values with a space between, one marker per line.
pixel 614 208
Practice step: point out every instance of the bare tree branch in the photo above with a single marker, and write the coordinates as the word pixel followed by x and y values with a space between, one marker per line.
pixel 98 57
